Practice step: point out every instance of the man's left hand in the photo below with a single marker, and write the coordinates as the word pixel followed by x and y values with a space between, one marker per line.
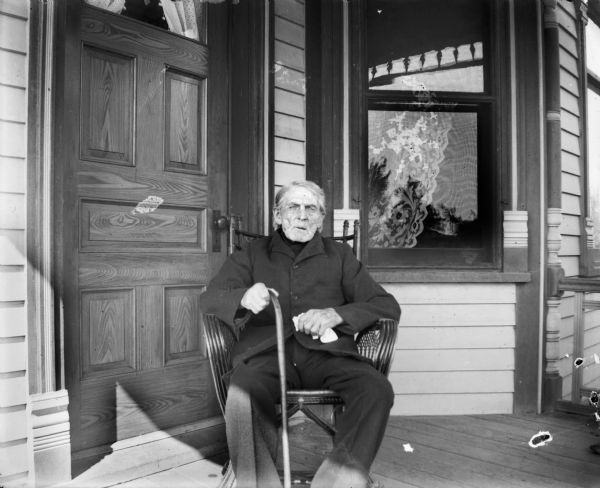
pixel 315 322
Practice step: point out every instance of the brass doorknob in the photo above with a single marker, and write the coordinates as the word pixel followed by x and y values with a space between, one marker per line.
pixel 221 222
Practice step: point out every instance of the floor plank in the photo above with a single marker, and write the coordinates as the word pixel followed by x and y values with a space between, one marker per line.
pixel 472 451
pixel 495 454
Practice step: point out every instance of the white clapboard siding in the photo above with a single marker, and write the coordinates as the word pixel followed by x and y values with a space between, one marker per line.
pixel 13 284
pixel 569 44
pixel 571 184
pixel 289 97
pixel 570 163
pixel 570 246
pixel 288 55
pixel 570 265
pixel 13 390
pixel 13 68
pixel 13 139
pixel 453 404
pixel 12 320
pixel 455 348
pixel 289 103
pixel 571 181
pixel 289 79
pixel 569 102
pixel 290 127
pixel 289 151
pixel 289 32
pixel 13 356
pixel 16 8
pixel 13 248
pixel 591 341
pixel 284 173
pixel 13 173
pixel 567 326
pixel 566 19
pixel 454 382
pixel 569 81
pixel 13 104
pixel 14 34
pixel 570 143
pixel 569 123
pixel 570 225
pixel 465 359
pixel 591 379
pixel 450 293
pixel 454 337
pixel 14 425
pixel 567 61
pixel 13 459
pixel 571 199
pixel 567 305
pixel 571 204
pixel 292 10
pixel 455 315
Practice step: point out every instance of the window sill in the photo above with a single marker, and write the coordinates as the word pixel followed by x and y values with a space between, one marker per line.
pixel 403 275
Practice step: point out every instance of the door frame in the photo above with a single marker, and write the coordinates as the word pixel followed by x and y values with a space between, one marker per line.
pixel 251 117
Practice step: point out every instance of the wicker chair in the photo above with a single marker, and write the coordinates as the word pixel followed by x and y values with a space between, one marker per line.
pixel 375 343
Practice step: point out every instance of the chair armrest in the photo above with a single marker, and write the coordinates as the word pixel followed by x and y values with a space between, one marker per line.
pixel 219 341
pixel 377 343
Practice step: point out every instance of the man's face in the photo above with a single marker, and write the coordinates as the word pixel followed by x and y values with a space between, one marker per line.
pixel 299 216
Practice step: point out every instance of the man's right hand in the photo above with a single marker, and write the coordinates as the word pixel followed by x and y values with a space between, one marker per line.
pixel 256 298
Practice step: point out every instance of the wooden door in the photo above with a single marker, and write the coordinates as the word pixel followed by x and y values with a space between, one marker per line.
pixel 142 165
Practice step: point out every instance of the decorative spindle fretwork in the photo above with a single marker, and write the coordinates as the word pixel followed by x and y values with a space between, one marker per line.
pixel 438 59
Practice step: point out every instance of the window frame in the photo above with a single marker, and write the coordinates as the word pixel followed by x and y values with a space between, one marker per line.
pixel 444 257
pixel 589 265
pixel 494 97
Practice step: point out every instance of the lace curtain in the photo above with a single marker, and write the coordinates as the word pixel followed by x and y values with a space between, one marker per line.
pixel 183 17
pixel 422 175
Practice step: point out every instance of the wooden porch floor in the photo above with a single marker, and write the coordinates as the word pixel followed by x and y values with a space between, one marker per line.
pixel 476 451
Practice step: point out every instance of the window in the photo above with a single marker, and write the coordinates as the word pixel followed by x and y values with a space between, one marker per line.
pixel 429 171
pixel 184 17
pixel 591 253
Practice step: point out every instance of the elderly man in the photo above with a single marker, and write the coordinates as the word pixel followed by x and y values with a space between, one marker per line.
pixel 321 286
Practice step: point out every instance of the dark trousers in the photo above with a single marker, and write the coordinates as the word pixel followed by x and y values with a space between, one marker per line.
pixel 251 420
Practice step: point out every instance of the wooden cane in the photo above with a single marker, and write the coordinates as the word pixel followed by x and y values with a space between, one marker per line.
pixel 287 476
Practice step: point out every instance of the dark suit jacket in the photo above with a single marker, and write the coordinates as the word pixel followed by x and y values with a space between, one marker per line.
pixel 324 274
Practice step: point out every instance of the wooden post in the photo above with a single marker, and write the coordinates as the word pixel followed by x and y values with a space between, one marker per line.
pixel 554 271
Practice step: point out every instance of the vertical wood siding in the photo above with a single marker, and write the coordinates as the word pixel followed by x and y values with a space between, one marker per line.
pixel 13 322
pixel 455 352
pixel 289 102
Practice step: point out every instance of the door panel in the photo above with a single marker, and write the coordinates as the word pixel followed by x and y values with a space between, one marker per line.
pixel 107 106
pixel 137 246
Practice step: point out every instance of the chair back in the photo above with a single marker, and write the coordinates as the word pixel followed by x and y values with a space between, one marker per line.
pixel 239 238
pixel 350 239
